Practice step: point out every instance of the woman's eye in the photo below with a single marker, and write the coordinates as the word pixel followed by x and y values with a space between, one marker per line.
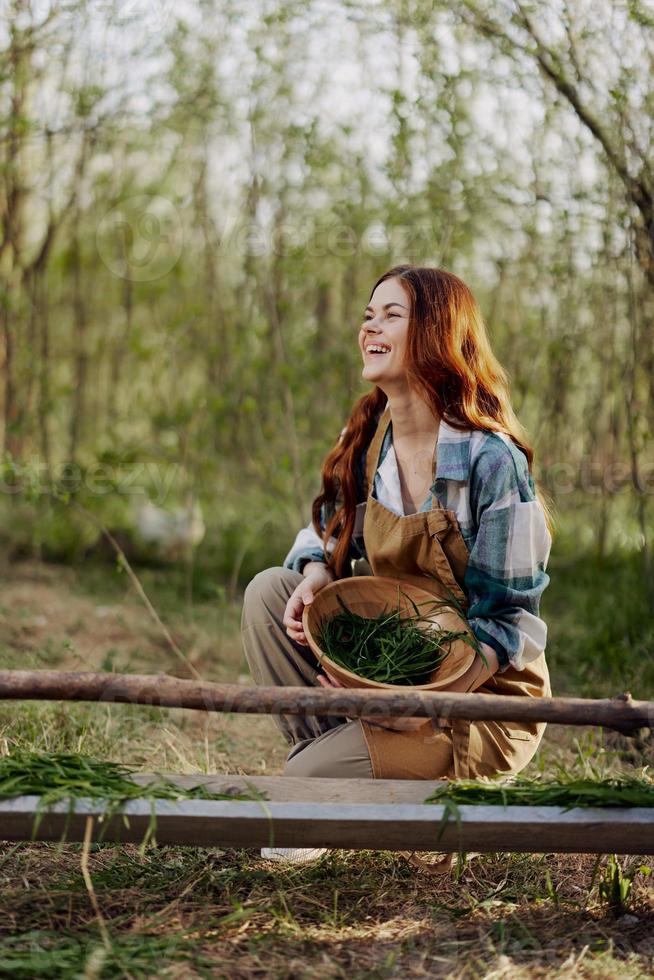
pixel 367 319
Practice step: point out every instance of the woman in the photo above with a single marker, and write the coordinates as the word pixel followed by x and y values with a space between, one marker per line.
pixel 430 482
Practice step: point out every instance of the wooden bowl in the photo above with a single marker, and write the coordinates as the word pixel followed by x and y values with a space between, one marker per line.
pixel 370 595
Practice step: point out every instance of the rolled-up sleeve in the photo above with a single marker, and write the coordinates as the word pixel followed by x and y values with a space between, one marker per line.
pixel 506 575
pixel 308 546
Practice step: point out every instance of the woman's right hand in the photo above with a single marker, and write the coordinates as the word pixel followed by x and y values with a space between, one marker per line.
pixel 316 578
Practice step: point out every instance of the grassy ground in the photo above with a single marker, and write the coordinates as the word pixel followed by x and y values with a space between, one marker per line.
pixel 194 912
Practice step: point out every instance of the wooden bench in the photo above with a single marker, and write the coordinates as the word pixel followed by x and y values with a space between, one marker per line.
pixel 386 814
pixel 339 813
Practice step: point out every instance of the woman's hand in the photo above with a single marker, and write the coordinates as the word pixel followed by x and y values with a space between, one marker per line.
pixel 326 681
pixel 316 577
pixel 478 672
pixel 476 675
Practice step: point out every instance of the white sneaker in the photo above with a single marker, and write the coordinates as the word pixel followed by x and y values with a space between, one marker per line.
pixel 293 855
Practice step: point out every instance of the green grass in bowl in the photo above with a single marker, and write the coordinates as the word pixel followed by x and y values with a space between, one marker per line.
pixel 391 648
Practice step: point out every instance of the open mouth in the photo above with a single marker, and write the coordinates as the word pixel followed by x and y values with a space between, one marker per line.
pixel 377 350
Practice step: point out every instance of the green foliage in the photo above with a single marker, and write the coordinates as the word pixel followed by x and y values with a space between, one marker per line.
pixel 63 534
pixel 601 631
pixel 615 886
pixel 51 528
pixel 62 953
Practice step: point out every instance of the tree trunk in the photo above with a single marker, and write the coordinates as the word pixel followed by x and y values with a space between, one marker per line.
pixel 80 342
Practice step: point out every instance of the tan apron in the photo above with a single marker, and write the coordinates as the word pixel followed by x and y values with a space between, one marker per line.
pixel 413 548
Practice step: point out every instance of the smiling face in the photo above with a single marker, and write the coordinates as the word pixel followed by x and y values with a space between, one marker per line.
pixel 383 335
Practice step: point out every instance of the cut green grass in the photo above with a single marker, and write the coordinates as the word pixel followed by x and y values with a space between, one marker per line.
pixel 391 648
pixel 611 791
pixel 61 776
pixel 56 776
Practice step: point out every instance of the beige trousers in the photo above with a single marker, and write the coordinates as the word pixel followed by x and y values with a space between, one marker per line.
pixel 328 746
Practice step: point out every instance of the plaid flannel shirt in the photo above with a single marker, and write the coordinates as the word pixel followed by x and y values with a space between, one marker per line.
pixel 484 478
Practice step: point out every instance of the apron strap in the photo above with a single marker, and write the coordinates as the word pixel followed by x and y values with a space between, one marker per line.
pixel 374 450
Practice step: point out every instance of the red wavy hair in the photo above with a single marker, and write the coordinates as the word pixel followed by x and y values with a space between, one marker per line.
pixel 450 362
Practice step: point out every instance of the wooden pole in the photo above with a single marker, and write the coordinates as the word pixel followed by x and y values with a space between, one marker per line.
pixel 621 713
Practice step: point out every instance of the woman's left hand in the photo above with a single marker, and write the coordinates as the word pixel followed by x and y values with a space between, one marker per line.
pixel 394 724
pixel 326 681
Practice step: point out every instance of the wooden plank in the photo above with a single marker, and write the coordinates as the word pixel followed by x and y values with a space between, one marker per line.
pixel 297 789
pixel 622 712
pixel 399 826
